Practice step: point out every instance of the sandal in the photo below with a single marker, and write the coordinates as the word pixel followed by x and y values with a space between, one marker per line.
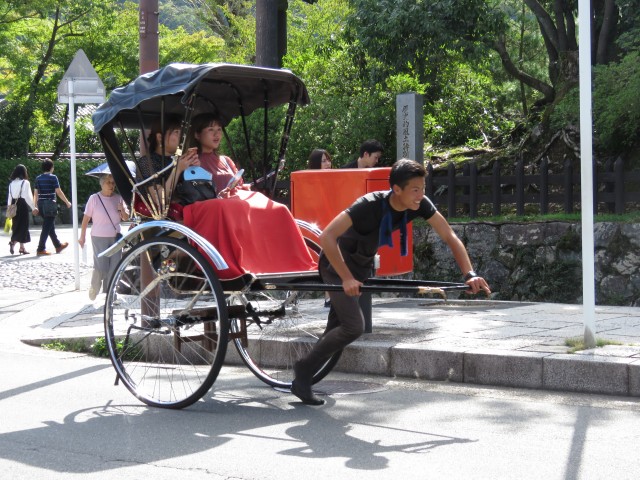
pixel 11 244
pixel 22 251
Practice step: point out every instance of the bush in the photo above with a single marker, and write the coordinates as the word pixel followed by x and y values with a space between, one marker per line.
pixel 13 139
pixel 616 108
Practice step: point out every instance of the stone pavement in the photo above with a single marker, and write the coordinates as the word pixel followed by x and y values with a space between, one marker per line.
pixel 487 342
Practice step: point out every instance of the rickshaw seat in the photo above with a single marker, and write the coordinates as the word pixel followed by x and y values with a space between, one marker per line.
pixel 253 234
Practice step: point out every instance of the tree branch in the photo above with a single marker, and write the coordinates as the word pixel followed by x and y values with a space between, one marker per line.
pixel 548 29
pixel 547 90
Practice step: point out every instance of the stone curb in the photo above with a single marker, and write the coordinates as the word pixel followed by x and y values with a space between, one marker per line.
pixel 503 368
pixel 559 372
pixel 507 368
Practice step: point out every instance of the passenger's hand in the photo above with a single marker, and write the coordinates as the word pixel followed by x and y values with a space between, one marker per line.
pixel 224 193
pixel 228 192
pixel 189 159
pixel 68 204
pixel 351 287
pixel 36 211
pixel 476 284
pixel 81 242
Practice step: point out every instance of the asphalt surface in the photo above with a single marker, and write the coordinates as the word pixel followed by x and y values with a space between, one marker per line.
pixel 513 344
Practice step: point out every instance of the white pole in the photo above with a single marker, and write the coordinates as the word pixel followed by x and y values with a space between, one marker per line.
pixel 74 187
pixel 586 174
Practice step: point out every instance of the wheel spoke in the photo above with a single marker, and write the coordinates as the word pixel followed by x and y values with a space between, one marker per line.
pixel 166 351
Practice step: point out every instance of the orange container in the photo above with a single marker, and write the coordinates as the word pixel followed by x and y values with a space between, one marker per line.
pixel 317 196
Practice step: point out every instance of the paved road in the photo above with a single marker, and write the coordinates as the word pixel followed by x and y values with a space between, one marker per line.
pixel 61 417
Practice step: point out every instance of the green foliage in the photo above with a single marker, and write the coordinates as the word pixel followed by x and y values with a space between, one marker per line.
pixel 354 55
pixel 418 37
pixel 466 109
pixel 179 46
pixel 616 104
pixel 616 108
pixel 629 27
pixel 233 21
pixel 344 111
pixel 443 46
pixel 38 48
pixel 12 140
pixel 67 345
pixel 99 347
pixel 566 111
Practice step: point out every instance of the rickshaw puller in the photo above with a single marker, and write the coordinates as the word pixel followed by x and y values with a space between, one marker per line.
pixel 349 245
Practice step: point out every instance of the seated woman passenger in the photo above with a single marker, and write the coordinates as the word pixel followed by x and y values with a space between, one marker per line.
pixel 206 134
pixel 161 151
pixel 253 233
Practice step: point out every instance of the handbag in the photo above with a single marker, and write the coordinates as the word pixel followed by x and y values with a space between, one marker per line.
pixel 12 209
pixel 49 209
pixel 196 186
pixel 118 234
pixel 191 191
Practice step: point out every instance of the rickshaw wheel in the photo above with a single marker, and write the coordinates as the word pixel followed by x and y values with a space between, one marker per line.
pixel 277 328
pixel 166 323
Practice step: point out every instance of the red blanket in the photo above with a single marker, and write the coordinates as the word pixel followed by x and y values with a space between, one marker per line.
pixel 252 233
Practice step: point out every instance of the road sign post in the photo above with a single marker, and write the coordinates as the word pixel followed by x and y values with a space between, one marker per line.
pixel 80 84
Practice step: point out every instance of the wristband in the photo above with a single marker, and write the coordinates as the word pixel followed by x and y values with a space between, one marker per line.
pixel 470 274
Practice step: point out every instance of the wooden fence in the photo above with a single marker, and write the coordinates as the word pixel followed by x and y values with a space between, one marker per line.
pixel 470 194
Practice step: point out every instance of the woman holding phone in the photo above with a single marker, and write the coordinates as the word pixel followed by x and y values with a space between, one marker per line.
pixel 244 225
pixel 206 132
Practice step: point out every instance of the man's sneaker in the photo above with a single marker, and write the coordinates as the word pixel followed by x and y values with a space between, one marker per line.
pixel 62 247
pixel 92 293
pixel 42 252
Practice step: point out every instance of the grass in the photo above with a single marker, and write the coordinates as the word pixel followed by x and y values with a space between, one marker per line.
pixel 98 348
pixel 577 344
pixel 552 217
pixel 77 346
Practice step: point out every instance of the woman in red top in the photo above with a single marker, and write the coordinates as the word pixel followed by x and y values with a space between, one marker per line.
pixel 206 131
pixel 245 225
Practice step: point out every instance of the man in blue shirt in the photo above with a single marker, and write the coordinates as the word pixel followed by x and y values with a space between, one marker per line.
pixel 46 187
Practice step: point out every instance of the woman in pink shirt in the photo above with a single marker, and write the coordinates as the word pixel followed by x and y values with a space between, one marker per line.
pixel 105 209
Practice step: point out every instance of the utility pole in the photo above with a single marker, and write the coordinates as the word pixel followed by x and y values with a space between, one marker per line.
pixel 267 33
pixel 148 35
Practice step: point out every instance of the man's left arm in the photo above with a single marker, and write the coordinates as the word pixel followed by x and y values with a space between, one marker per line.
pixel 446 233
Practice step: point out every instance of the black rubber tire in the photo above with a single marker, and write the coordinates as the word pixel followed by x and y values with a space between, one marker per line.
pixel 166 333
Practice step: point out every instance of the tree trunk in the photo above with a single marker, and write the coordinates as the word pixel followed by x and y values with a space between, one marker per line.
pixel 605 48
pixel 267 33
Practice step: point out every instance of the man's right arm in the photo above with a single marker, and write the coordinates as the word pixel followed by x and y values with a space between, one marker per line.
pixel 329 243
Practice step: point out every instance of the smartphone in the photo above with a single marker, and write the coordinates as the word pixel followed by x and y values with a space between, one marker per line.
pixel 233 182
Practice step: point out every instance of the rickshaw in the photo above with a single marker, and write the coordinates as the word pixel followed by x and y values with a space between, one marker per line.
pixel 170 310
